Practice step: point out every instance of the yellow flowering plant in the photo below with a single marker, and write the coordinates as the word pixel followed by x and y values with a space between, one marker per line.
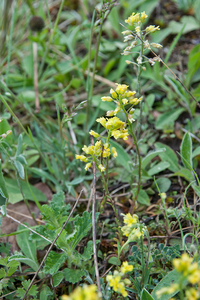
pixel 187 283
pixel 100 152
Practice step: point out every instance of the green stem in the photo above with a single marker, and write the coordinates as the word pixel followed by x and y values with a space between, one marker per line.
pixel 51 37
pixel 137 150
pixel 29 3
pixel 93 73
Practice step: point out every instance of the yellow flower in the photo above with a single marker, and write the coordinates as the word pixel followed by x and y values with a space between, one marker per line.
pixel 131 111
pixel 108 99
pixel 88 292
pixel 156 45
pixel 126 267
pixel 133 19
pixel 113 94
pixel 93 133
pixel 151 29
pixel 121 89
pixel 88 166
pixel 110 113
pixel 137 29
pixel 82 158
pixel 129 220
pixel 126 32
pixel 117 109
pixel 101 167
pixel 130 94
pixel 133 101
pixel 182 264
pixel 102 121
pixel 124 101
pixel 114 152
pixel 116 283
pixel 192 294
pixel 85 149
pixel 143 16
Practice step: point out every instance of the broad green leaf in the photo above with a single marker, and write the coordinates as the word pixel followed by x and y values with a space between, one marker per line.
pixel 53 262
pixel 161 166
pixel 143 197
pixel 84 224
pixel 19 146
pixel 3 188
pixel 27 247
pixel 168 117
pixel 147 159
pixel 170 278
pixel 2 273
pixel 27 64
pixel 190 22
pixel 73 275
pixel 20 168
pixel 168 156
pixel 57 278
pixel 186 151
pixel 145 295
pixel 88 251
pixel 196 189
pixel 27 261
pixel 15 193
pixel 123 158
pixel 163 184
pixel 185 173
pixel 45 292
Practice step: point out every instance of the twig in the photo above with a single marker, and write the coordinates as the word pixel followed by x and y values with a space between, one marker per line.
pixel 94 223
pixel 51 246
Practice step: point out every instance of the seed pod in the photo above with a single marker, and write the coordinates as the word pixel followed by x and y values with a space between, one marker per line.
pixel 36 23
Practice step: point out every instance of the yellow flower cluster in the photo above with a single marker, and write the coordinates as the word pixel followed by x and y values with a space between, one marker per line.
pixel 122 97
pixel 189 270
pixel 117 282
pixel 133 229
pixel 87 292
pixel 114 126
pixel 96 151
pixel 136 19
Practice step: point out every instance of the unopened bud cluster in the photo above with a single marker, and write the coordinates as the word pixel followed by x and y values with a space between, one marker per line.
pixel 137 37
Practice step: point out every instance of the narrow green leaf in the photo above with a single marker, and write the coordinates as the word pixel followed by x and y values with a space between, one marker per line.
pixel 186 151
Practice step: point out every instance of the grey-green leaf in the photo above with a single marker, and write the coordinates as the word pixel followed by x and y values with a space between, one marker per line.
pixel 186 151
pixel 168 156
pixel 73 275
